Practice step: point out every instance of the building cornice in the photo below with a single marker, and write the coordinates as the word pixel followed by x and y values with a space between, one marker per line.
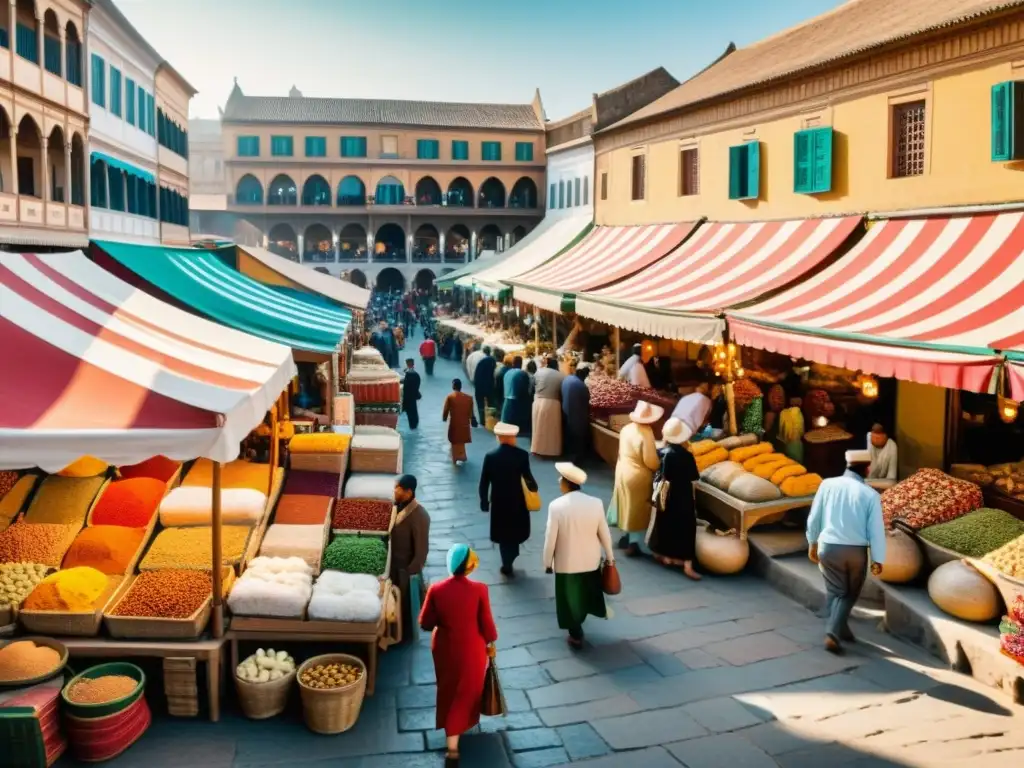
pixel 987 43
pixel 537 132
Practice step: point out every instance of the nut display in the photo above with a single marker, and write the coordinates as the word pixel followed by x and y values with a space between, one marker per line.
pixel 331 675
pixel 17 580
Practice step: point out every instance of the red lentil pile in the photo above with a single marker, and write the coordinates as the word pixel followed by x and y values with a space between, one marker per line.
pixel 8 479
pixel 169 594
pixel 159 467
pixel 129 503
pixel 361 515
pixel 42 543
pixel 100 690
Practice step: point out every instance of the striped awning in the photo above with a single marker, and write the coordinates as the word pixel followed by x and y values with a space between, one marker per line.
pixel 1016 376
pixel 301 277
pixel 105 369
pixel 721 265
pixel 925 288
pixel 203 280
pixel 605 255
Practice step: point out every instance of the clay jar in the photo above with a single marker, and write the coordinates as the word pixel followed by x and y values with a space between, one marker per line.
pixel 961 591
pixel 721 553
pixel 903 558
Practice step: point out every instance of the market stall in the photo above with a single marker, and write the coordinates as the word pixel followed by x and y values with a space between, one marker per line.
pixel 483 335
pixel 273 270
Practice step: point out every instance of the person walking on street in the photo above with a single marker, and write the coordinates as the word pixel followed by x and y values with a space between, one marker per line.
pixel 575 542
pixel 634 476
pixel 457 611
pixel 483 383
pixel 458 412
pixel 410 541
pixel 845 520
pixel 411 393
pixel 472 359
pixel 673 537
pixel 576 410
pixel 505 472
pixel 547 410
pixel 428 353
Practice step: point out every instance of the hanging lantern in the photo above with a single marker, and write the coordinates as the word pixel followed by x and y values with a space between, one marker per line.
pixel 868 386
pixel 1008 409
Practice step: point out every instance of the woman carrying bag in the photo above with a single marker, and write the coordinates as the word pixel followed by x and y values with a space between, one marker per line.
pixel 673 534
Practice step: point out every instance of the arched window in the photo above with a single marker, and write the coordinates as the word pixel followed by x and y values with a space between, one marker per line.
pixel 390 191
pixel 249 191
pixel 351 191
pixel 282 191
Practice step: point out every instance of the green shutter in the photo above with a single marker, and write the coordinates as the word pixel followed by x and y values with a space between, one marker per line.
pixel 737 171
pixel 803 145
pixel 427 149
pixel 524 151
pixel 460 150
pixel 821 177
pixel 753 187
pixel 1008 121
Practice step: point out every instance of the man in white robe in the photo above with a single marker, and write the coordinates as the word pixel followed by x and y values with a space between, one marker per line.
pixel 884 463
pixel 633 369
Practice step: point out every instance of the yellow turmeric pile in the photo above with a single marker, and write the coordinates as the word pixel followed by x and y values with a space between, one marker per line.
pixel 73 589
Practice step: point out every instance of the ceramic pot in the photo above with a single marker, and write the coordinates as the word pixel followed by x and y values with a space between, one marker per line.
pixel 961 591
pixel 721 553
pixel 903 558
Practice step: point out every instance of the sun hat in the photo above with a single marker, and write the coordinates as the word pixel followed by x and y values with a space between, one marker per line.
pixel 501 429
pixel 676 431
pixel 571 472
pixel 646 413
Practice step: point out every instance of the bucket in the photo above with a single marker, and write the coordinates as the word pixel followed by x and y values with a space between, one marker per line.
pixel 95 739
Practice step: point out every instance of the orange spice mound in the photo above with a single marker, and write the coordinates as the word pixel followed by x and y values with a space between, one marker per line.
pixel 100 690
pixel 24 660
pixel 109 549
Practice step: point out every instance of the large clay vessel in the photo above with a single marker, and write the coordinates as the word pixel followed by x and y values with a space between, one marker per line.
pixel 721 553
pixel 961 591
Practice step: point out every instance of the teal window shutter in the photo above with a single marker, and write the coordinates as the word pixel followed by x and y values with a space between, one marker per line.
pixel 353 146
pixel 460 150
pixel 737 172
pixel 753 188
pixel 281 146
pixel 821 177
pixel 491 151
pixel 248 146
pixel 129 101
pixel 1008 121
pixel 524 151
pixel 142 109
pixel 316 146
pixel 98 82
pixel 115 91
pixel 803 172
pixel 427 149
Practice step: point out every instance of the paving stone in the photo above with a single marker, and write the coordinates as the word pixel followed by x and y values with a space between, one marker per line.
pixel 747 650
pixel 540 759
pixel 721 715
pixel 513 721
pixel 581 741
pixel 515 700
pixel 516 657
pixel 821 697
pixel 591 710
pixel 679 601
pixel 549 650
pixel 697 658
pixel 662 726
pixel 652 757
pixel 523 677
pixel 483 749
pixel 777 738
pixel 415 696
pixel 722 750
pixel 592 660
pixel 417 719
pixel 532 738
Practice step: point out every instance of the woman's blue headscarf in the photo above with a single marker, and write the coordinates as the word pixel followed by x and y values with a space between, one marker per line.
pixel 457 555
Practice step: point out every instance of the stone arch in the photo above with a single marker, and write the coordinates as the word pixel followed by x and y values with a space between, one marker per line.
pixel 316 191
pixel 283 241
pixel 428 191
pixel 456 243
pixel 351 191
pixel 51 43
pixel 30 146
pixel 73 51
pixel 249 191
pixel 424 280
pixel 492 194
pixel 518 234
pixel 389 243
pixel 26 15
pixel 57 172
pixel 489 237
pixel 77 169
pixel 317 243
pixel 282 191
pixel 524 194
pixel 389 191
pixel 352 242
pixel 426 243
pixel 357 277
pixel 460 193
pixel 390 279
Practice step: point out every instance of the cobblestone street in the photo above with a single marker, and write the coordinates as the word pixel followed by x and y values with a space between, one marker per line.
pixel 726 672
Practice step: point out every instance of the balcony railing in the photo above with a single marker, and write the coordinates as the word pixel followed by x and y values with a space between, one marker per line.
pixel 350 255
pixel 454 257
pixel 318 257
pixel 389 257
pixel 422 257
pixel 448 201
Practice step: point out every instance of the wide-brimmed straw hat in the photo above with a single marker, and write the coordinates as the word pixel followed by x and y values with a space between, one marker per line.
pixel 676 432
pixel 646 413
pixel 571 472
pixel 501 429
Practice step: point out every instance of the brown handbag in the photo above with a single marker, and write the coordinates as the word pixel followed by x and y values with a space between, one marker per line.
pixel 611 584
pixel 492 702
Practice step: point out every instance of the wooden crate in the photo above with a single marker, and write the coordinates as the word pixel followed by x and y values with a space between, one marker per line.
pixel 180 686
pixel 158 628
pixel 74 623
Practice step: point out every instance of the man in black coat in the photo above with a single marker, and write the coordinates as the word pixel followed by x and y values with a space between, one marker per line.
pixel 411 393
pixel 483 383
pixel 501 493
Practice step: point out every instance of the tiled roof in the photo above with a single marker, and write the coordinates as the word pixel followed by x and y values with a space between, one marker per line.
pixel 435 114
pixel 854 27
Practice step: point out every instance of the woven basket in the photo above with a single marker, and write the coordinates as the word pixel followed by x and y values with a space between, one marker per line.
pixel 333 710
pixel 262 700
pixel 319 462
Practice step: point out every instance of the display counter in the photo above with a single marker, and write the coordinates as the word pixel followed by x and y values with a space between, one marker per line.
pixel 743 515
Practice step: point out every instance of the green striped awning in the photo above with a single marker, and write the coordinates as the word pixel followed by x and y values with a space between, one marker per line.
pixel 201 279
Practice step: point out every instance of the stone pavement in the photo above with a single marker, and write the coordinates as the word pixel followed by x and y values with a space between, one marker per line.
pixel 726 672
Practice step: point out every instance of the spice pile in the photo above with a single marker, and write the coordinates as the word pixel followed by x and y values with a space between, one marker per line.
pixel 24 660
pixel 609 395
pixel 303 483
pixel 36 543
pixel 110 549
pixel 12 500
pixel 167 594
pixel 17 580
pixel 131 503
pixel 357 554
pixel 362 515
pixel 331 675
pixel 319 442
pixel 1009 558
pixel 158 468
pixel 977 533
pixel 265 666
pixel 101 690
pixel 192 548
pixel 63 500
pixel 71 590
pixel 8 479
pixel 85 466
pixel 302 509
pixel 235 474
pixel 929 497
pixel 827 434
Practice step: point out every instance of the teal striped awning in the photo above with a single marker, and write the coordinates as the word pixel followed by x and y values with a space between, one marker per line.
pixel 128 168
pixel 202 279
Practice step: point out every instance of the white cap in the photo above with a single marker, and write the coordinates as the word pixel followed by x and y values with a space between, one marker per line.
pixel 858 457
pixel 571 472
pixel 501 429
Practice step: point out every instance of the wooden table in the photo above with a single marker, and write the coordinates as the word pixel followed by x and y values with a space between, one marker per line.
pixel 207 650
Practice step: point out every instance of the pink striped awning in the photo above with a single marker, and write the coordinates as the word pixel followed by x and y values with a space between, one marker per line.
pixel 605 255
pixel 721 265
pixel 937 286
pixel 104 369
pixel 1016 377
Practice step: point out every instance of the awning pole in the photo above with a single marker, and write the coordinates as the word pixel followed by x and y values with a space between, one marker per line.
pixel 554 329
pixel 331 384
pixel 536 329
pixel 217 558
pixel 617 341
pixel 272 458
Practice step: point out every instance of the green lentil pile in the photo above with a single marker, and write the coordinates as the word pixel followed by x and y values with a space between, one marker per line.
pixel 357 554
pixel 977 533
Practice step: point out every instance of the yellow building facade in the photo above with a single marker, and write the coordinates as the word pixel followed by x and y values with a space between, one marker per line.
pixel 912 128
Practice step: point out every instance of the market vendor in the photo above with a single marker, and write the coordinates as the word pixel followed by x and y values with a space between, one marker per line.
pixel 884 462
pixel 633 369
pixel 410 541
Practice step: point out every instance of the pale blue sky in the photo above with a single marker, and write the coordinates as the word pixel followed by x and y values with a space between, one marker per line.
pixel 447 50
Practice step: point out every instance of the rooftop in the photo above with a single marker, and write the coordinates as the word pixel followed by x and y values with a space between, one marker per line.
pixel 855 27
pixel 434 114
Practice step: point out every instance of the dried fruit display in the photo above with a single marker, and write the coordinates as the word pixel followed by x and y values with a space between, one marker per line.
pixel 362 515
pixel 331 675
pixel 608 395
pixel 744 392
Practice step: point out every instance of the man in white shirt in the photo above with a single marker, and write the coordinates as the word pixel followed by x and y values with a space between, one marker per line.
pixel 883 459
pixel 633 369
pixel 472 359
pixel 576 541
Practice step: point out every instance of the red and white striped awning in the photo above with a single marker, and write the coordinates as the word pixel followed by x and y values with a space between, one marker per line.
pixel 928 288
pixel 721 265
pixel 97 367
pixel 605 255
pixel 1016 376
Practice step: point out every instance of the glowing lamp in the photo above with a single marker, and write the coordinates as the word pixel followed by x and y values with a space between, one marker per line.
pixel 1008 409
pixel 869 386
pixel 740 373
pixel 821 421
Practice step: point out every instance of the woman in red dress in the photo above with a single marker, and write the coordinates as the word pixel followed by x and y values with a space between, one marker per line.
pixel 458 612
